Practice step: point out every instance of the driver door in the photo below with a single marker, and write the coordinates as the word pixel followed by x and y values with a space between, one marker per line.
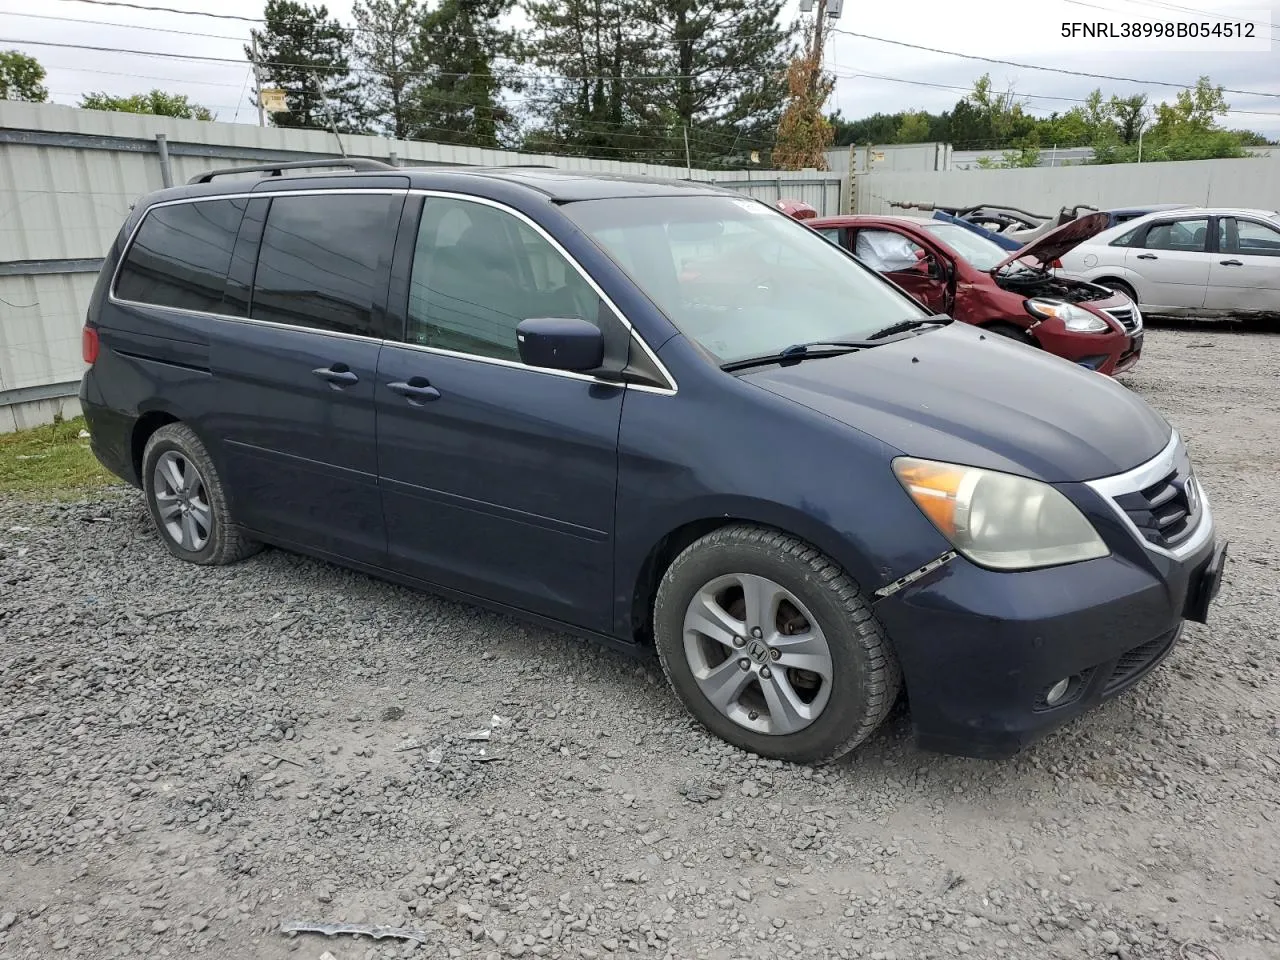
pixel 907 263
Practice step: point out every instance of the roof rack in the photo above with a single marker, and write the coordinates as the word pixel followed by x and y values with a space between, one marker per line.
pixel 357 164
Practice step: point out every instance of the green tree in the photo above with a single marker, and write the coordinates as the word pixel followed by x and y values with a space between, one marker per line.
pixel 877 128
pixel 156 102
pixel 460 102
pixel 386 48
pixel 592 45
pixel 913 128
pixel 306 53
pixel 21 78
pixel 1129 114
pixel 729 61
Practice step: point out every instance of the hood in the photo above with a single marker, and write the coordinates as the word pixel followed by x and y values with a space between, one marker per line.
pixel 1056 242
pixel 959 395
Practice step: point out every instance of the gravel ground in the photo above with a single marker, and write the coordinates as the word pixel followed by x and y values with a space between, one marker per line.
pixel 190 758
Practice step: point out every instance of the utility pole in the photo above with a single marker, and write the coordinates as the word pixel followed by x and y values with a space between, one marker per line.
pixel 257 81
pixel 688 164
pixel 817 29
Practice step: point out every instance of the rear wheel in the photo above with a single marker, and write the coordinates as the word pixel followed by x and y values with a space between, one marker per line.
pixel 187 500
pixel 772 647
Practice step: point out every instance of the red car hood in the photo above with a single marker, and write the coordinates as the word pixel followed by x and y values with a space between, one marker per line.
pixel 1055 243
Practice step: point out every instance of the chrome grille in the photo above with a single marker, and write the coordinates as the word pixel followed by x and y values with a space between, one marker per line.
pixel 1165 512
pixel 1125 316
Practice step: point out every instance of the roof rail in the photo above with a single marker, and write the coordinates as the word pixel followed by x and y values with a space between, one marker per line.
pixel 357 164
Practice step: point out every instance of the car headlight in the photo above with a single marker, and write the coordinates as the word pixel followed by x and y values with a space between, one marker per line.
pixel 999 520
pixel 1073 318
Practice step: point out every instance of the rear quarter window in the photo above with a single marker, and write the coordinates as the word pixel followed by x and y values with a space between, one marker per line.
pixel 180 255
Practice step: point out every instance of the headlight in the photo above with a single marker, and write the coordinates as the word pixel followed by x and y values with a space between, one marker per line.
pixel 999 520
pixel 1073 318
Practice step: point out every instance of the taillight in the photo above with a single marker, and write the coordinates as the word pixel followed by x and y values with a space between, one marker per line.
pixel 1056 265
pixel 89 345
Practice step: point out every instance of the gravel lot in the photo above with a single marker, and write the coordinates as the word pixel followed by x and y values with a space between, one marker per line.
pixel 190 758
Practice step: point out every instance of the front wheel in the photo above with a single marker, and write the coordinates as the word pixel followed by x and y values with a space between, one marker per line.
pixel 772 647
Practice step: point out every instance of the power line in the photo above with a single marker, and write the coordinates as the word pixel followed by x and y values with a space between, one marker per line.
pixel 186 13
pixel 348 70
pixel 1031 66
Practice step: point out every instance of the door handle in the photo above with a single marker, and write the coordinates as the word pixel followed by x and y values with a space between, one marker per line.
pixel 1232 263
pixel 1147 256
pixel 417 390
pixel 339 375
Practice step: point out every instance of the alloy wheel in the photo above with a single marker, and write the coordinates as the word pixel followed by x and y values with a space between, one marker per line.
pixel 757 654
pixel 182 502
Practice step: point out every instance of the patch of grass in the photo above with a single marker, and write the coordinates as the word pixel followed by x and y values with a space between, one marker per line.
pixel 53 460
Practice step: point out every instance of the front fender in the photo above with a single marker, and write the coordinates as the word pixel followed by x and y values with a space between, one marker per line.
pixel 743 453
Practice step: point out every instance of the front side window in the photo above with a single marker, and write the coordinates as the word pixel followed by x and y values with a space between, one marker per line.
pixel 1256 240
pixel 478 272
pixel 180 256
pixel 830 233
pixel 1186 236
pixel 325 261
pixel 740 278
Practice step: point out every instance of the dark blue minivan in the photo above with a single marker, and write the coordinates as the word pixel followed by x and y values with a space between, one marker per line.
pixel 659 414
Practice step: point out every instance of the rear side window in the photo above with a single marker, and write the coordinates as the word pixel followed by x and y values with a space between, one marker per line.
pixel 1127 238
pixel 325 260
pixel 180 255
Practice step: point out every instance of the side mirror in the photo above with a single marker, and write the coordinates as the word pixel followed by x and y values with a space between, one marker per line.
pixel 560 343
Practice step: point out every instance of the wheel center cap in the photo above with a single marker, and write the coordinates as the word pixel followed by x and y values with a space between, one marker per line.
pixel 758 651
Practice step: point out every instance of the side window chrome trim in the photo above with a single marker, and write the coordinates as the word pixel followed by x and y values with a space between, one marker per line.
pixel 485 201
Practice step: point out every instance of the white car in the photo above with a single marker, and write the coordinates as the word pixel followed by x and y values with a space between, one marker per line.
pixel 1195 261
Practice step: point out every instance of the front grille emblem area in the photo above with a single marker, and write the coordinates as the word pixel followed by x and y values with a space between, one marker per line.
pixel 1190 491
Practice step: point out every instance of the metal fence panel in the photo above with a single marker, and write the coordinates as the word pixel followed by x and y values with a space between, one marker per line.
pixel 1252 182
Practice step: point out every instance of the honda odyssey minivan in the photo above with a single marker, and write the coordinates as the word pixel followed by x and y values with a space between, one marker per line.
pixel 808 494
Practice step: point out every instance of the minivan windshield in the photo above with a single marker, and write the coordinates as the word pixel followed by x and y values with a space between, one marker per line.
pixel 740 278
pixel 979 252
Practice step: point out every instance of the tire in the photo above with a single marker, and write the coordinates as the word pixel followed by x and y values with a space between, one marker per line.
pixel 1119 286
pixel 189 509
pixel 1010 330
pixel 843 709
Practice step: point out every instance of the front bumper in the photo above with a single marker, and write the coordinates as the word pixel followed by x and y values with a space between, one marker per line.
pixel 981 650
pixel 1107 353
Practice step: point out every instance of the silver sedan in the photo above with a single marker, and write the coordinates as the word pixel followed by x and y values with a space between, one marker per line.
pixel 1195 261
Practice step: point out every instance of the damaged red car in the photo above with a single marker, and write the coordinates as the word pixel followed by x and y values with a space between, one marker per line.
pixel 954 271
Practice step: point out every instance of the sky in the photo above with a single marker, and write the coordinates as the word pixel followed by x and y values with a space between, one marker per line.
pixel 872 75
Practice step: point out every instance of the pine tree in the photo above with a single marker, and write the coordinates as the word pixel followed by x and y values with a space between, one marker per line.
pixel 458 44
pixel 386 50
pixel 729 59
pixel 306 53
pixel 597 102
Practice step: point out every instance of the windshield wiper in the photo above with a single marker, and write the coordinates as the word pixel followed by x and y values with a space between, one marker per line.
pixel 937 320
pixel 800 351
